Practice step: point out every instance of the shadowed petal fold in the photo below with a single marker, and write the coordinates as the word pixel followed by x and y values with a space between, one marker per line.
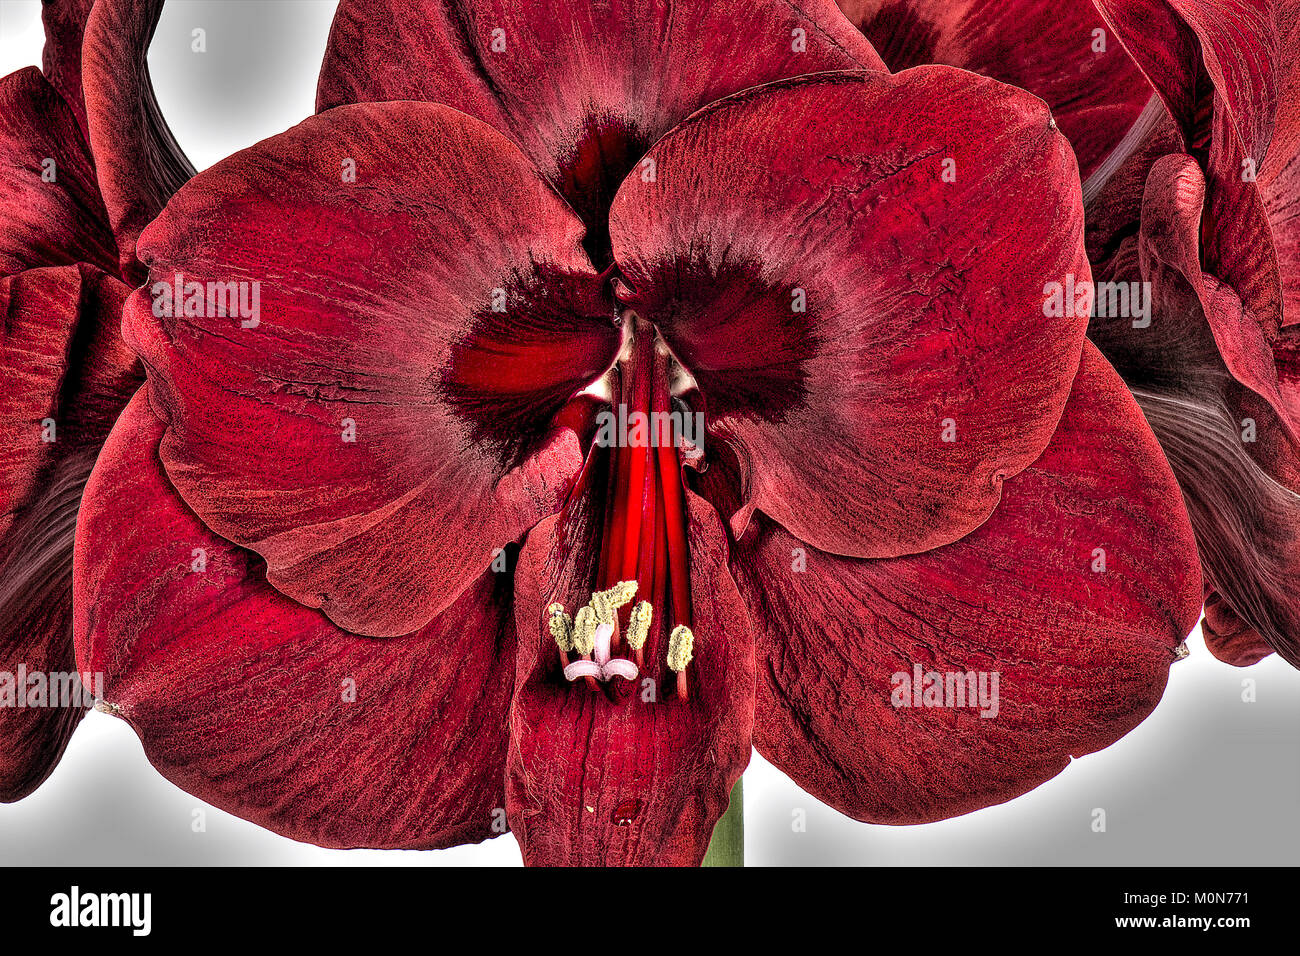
pixel 263 707
pixel 65 27
pixel 856 269
pixel 64 375
pixel 1075 596
pixel 1049 48
pixel 1228 637
pixel 1234 455
pixel 51 213
pixel 374 417
pixel 138 160
pixel 584 89
pixel 1227 70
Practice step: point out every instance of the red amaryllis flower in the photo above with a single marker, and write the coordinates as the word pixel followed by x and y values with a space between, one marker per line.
pixel 65 374
pixel 1193 204
pixel 1219 242
pixel 355 564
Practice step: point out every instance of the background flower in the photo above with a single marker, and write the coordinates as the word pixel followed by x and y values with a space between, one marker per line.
pixel 1183 118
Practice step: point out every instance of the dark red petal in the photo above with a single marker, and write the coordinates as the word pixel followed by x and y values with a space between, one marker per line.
pixel 65 26
pixel 1218 65
pixel 1282 206
pixel 1172 230
pixel 584 89
pixel 1187 296
pixel 1082 654
pixel 1279 179
pixel 64 375
pixel 638 778
pixel 1044 46
pixel 376 313
pixel 925 299
pixel 1236 40
pixel 263 708
pixel 139 163
pixel 1228 637
pixel 44 222
pixel 1112 195
pixel 63 363
pixel 1233 455
pixel 1247 518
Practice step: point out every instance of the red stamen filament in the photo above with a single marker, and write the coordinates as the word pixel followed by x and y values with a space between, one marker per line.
pixel 645 528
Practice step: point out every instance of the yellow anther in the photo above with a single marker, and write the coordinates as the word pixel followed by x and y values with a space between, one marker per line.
pixel 681 642
pixel 603 609
pixel 561 626
pixel 638 625
pixel 584 630
pixel 606 603
pixel 621 593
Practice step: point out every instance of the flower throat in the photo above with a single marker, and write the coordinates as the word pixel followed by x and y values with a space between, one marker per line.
pixel 642 581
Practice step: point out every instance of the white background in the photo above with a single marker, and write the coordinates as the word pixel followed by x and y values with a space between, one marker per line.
pixel 1207 779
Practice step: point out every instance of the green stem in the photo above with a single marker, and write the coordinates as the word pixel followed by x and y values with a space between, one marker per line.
pixel 727 848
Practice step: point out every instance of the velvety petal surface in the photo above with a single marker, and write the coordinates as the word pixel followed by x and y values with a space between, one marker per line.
pixel 583 88
pixel 1234 456
pixel 855 268
pixel 262 707
pixel 50 210
pixel 1281 193
pixel 1228 637
pixel 1050 48
pixel 64 375
pixel 1112 195
pixel 382 424
pixel 138 160
pixel 633 775
pixel 1077 594
pixel 65 27
pixel 1221 67
pixel 1235 40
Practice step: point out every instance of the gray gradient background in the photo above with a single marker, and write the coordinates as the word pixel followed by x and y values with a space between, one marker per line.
pixel 1207 779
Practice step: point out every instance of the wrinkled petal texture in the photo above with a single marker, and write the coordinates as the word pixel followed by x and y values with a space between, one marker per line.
pixel 1228 637
pixel 1235 39
pixel 50 210
pixel 1235 458
pixel 636 776
pixel 65 27
pixel 264 708
pixel 138 160
pixel 1081 649
pixel 583 89
pixel 381 424
pixel 64 376
pixel 1047 47
pixel 854 267
pixel 1228 70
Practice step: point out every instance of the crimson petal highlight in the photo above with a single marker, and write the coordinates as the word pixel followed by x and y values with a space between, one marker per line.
pixel 1049 48
pixel 138 160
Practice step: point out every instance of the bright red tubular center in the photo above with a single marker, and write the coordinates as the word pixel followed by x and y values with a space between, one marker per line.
pixel 644 535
